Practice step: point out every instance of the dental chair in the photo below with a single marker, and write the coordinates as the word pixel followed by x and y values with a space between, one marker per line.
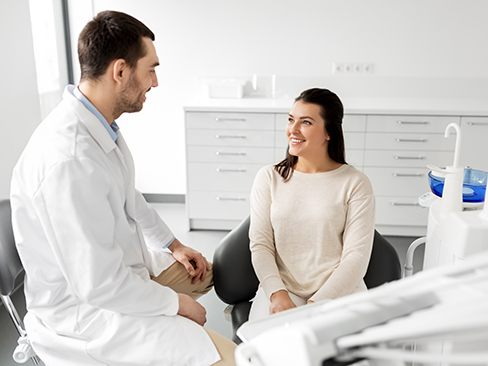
pixel 11 277
pixel 235 281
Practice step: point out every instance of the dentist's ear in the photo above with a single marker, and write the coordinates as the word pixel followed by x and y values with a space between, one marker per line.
pixel 119 66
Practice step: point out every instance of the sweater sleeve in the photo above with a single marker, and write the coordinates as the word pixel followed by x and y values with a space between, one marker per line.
pixel 357 244
pixel 263 251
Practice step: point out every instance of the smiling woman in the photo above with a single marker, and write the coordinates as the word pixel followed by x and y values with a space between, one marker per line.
pixel 320 144
pixel 312 214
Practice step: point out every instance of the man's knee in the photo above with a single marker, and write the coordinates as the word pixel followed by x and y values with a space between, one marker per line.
pixel 177 278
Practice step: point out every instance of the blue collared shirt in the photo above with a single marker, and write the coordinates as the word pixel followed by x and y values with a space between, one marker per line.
pixel 111 128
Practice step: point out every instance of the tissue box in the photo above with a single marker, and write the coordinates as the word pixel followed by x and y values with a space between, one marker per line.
pixel 228 88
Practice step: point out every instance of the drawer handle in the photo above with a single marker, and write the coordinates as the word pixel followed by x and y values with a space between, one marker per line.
pixel 408 174
pixel 413 122
pixel 223 170
pixel 230 137
pixel 219 119
pixel 223 153
pixel 404 203
pixel 477 123
pixel 219 198
pixel 400 157
pixel 411 140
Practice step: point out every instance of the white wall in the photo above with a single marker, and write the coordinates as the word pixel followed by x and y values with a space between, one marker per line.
pixel 425 49
pixel 19 102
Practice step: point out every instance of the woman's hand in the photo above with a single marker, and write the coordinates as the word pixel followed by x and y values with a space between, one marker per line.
pixel 280 301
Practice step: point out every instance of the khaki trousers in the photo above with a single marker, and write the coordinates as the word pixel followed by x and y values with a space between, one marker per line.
pixel 177 278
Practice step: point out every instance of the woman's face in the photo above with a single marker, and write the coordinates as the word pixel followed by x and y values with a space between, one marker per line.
pixel 305 131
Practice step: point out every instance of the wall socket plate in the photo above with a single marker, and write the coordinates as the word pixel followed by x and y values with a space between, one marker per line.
pixel 352 68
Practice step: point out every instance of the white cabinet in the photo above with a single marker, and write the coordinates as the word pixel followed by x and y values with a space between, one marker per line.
pixel 226 149
pixel 397 150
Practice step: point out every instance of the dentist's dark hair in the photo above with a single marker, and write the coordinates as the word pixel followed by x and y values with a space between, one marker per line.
pixel 332 112
pixel 109 36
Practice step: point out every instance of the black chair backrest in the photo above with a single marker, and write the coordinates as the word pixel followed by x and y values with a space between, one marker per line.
pixel 384 264
pixel 235 280
pixel 233 273
pixel 11 270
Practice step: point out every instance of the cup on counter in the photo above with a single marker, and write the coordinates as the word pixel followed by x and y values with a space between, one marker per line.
pixel 261 86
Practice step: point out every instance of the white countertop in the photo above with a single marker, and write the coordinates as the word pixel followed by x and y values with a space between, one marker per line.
pixel 461 107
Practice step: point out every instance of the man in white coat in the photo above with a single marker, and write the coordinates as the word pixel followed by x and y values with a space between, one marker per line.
pixel 107 283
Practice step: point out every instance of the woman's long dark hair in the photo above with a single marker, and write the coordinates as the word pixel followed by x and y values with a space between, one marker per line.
pixel 332 112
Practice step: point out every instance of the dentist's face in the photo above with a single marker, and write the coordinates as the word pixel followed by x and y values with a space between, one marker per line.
pixel 306 131
pixel 142 78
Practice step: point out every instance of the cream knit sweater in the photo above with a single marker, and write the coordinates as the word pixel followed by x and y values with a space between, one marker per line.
pixel 313 234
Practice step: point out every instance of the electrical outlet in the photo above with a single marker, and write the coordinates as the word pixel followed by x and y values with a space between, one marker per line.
pixel 352 68
pixel 368 68
pixel 337 67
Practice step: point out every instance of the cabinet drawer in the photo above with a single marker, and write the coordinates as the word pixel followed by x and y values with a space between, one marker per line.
pixel 407 158
pixel 218 205
pixel 229 138
pixel 350 123
pixel 476 122
pixel 208 154
pixel 281 121
pixel 221 177
pixel 354 123
pixel 410 141
pixel 230 121
pixel 403 123
pixel 355 158
pixel 474 148
pixel 352 140
pixel 399 182
pixel 400 211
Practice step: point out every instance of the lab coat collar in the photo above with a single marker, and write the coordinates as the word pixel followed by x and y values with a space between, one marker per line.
pixel 91 122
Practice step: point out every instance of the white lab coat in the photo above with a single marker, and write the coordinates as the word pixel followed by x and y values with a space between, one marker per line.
pixel 80 227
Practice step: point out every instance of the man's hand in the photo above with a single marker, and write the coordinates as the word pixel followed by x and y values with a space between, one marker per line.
pixel 193 261
pixel 280 301
pixel 191 309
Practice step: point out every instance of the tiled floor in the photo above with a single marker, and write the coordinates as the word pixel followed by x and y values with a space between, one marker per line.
pixel 204 241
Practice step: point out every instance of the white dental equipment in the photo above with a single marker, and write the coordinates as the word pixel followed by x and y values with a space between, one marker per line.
pixel 445 305
pixel 450 202
pixel 452 233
